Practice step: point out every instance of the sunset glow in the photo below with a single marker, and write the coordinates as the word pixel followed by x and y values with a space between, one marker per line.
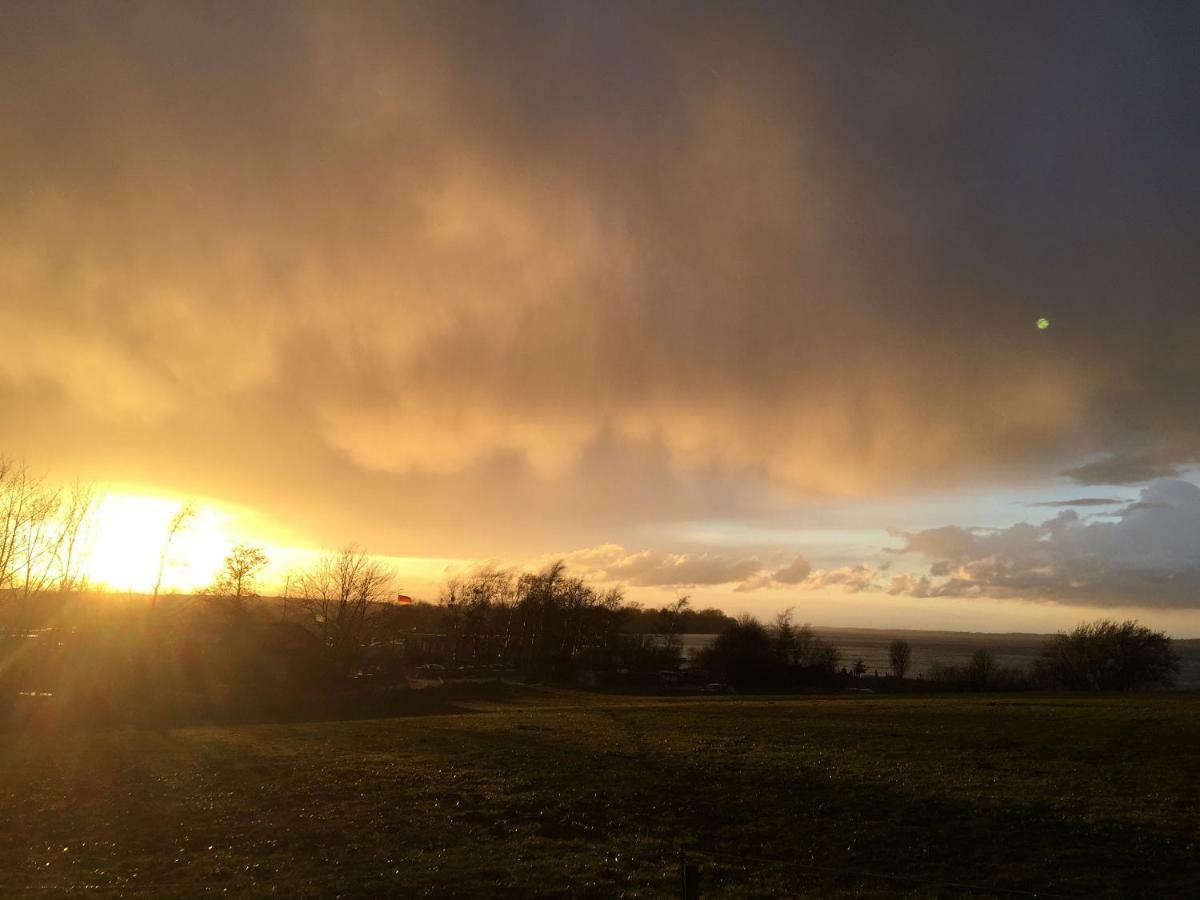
pixel 496 286
pixel 129 535
pixel 599 448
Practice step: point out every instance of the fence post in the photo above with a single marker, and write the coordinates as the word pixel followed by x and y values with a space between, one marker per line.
pixel 690 878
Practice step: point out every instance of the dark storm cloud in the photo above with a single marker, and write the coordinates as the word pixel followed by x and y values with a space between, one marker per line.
pixel 1149 557
pixel 1131 468
pixel 1082 501
pixel 420 259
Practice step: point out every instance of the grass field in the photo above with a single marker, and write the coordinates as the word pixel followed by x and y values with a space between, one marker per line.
pixel 546 792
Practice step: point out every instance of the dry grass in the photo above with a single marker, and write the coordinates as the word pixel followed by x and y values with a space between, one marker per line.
pixel 558 793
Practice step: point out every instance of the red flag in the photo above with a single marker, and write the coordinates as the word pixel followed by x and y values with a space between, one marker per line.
pixel 404 599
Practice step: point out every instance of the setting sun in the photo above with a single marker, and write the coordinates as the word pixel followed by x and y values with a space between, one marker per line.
pixel 128 538
pixel 599 448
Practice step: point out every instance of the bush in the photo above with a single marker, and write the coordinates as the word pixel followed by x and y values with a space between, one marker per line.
pixel 982 673
pixel 1107 656
pixel 742 655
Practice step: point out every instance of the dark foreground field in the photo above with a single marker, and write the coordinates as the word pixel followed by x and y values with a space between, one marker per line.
pixel 565 794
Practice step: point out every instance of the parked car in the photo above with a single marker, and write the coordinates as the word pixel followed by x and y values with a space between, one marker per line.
pixel 427 677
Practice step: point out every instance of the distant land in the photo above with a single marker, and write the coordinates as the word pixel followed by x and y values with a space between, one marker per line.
pixel 1017 649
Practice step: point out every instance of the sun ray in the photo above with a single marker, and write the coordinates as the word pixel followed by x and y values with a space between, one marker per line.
pixel 130 534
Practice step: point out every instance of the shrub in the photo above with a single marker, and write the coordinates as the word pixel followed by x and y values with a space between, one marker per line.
pixel 1107 656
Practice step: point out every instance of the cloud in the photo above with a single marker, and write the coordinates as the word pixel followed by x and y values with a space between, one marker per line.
pixel 1149 557
pixel 795 571
pixel 656 568
pixel 612 563
pixel 851 579
pixel 912 585
pixel 1130 468
pixel 1082 501
pixel 1145 504
pixel 458 280
pixel 757 582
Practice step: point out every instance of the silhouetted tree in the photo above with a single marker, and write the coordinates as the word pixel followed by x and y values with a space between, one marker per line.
pixel 19 510
pixel 899 654
pixel 742 655
pixel 698 621
pixel 1107 656
pixel 671 623
pixel 179 522
pixel 479 614
pixel 796 646
pixel 236 582
pixel 982 669
pixel 817 654
pixel 541 622
pixel 76 535
pixel 42 534
pixel 783 637
pixel 339 593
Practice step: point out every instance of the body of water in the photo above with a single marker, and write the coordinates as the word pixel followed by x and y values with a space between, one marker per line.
pixel 953 648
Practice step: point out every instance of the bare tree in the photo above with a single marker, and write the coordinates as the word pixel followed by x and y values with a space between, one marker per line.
pixel 236 582
pixel 480 614
pixel 899 654
pixel 21 509
pixel 982 669
pixel 9 517
pixel 77 532
pixel 32 547
pixel 339 593
pixel 540 622
pixel 179 522
pixel 671 624
pixel 43 535
pixel 783 636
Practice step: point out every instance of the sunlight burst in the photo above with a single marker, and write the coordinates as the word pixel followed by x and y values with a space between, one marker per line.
pixel 130 534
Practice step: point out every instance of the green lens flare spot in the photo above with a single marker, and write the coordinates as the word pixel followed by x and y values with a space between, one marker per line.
pixel 1043 324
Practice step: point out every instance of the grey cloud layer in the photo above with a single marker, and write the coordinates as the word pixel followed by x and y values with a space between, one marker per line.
pixel 1148 557
pixel 656 568
pixel 1082 501
pixel 1132 467
pixel 466 244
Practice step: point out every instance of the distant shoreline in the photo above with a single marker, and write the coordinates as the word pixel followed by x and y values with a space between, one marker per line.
pixel 1018 649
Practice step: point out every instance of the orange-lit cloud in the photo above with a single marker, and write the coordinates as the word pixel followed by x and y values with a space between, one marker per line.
pixel 460 281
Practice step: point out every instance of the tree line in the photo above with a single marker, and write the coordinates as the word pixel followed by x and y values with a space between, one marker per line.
pixel 1096 656
pixel 43 533
pixel 547 624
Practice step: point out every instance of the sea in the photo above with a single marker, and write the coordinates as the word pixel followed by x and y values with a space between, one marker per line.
pixel 955 648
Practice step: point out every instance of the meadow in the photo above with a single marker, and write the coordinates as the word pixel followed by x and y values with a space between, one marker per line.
pixel 512 791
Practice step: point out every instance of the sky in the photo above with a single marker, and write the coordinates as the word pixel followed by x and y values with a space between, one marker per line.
pixel 735 300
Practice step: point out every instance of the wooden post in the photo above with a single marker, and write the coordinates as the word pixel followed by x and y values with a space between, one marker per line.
pixel 689 878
